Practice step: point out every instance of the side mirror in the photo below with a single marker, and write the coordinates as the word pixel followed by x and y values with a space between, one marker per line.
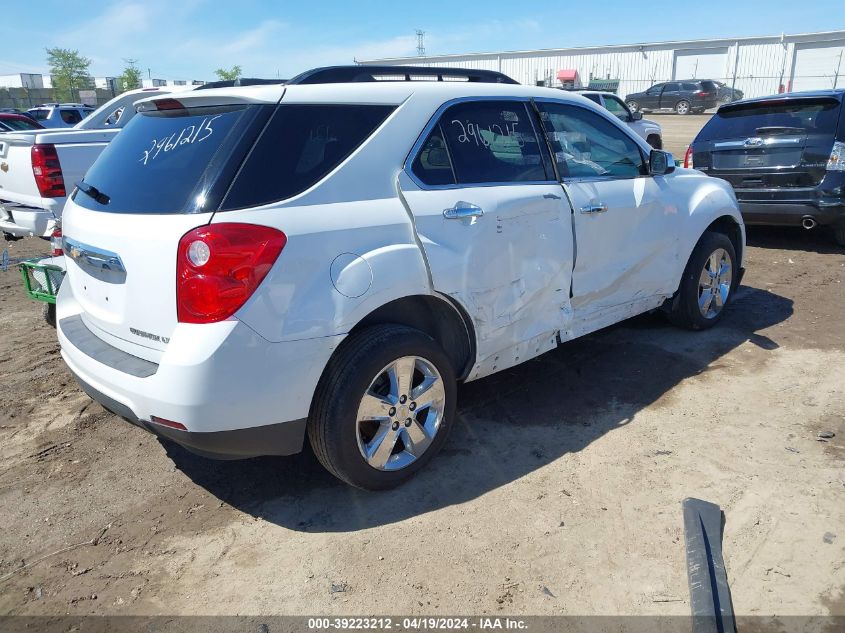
pixel 660 163
pixel 636 116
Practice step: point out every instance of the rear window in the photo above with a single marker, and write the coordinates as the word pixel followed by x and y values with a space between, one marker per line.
pixel 300 146
pixel 19 124
pixel 40 114
pixel 801 116
pixel 171 161
pixel 709 86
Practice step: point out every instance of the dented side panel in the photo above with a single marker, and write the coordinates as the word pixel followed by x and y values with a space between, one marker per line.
pixel 509 268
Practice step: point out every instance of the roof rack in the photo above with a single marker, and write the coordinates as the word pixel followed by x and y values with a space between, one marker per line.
pixel 243 81
pixel 353 74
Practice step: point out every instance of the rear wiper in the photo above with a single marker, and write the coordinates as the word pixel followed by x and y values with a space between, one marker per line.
pixel 92 192
pixel 779 129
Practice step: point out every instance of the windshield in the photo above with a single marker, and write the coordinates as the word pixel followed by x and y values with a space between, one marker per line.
pixel 799 116
pixel 168 161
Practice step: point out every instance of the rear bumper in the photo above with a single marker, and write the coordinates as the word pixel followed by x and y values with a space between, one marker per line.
pixel 790 213
pixel 237 394
pixel 22 221
pixel 285 438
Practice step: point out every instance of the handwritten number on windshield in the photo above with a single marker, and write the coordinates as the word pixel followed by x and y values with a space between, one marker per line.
pixel 188 135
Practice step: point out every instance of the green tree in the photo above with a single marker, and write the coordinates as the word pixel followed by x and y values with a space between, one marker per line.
pixel 228 75
pixel 69 71
pixel 131 77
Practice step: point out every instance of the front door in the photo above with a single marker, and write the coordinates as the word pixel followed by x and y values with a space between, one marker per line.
pixel 495 226
pixel 625 229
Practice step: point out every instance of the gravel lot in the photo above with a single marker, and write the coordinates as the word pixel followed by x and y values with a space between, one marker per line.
pixel 559 491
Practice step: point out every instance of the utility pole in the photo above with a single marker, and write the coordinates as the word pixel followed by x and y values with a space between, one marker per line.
pixel 420 43
pixel 838 66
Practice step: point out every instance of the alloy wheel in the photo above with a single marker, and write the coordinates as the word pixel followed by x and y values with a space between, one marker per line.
pixel 714 283
pixel 400 413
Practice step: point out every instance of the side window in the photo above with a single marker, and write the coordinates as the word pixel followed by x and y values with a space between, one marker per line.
pixel 594 98
pixel 687 87
pixel 616 107
pixel 71 117
pixel 493 141
pixel 586 145
pixel 671 88
pixel 300 145
pixel 655 90
pixel 432 165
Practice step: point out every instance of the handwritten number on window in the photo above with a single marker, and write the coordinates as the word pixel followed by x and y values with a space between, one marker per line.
pixel 188 135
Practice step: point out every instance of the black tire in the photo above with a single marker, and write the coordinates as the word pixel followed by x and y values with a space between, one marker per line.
pixel 48 311
pixel 332 424
pixel 839 235
pixel 655 141
pixel 633 106
pixel 683 107
pixel 684 310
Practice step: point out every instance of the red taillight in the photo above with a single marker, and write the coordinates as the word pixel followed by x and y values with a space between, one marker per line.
pixel 170 423
pixel 701 93
pixel 56 243
pixel 47 171
pixel 688 158
pixel 219 266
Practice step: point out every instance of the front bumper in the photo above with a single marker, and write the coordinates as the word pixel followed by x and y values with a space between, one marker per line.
pixel 237 394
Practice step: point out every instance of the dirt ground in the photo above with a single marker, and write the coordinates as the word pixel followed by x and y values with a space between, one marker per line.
pixel 559 491
pixel 678 131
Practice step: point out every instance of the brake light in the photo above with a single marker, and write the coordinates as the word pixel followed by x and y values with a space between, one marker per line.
pixel 47 171
pixel 168 104
pixel 56 243
pixel 219 266
pixel 688 158
pixel 836 162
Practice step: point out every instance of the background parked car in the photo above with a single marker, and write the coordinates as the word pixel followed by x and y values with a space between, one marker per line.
pixel 60 114
pixel 17 122
pixel 784 155
pixel 645 128
pixel 726 94
pixel 682 96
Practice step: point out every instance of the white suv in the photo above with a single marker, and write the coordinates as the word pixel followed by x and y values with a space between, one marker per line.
pixel 329 257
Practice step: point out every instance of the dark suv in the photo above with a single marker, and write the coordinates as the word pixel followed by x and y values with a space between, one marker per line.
pixel 683 96
pixel 784 155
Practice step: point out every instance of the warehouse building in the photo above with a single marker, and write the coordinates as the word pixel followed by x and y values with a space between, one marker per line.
pixel 755 65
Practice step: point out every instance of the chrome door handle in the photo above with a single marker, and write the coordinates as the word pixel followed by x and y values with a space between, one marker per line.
pixel 551 196
pixel 463 210
pixel 594 207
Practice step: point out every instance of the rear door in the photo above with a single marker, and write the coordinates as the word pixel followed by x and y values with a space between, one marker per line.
pixel 495 224
pixel 670 96
pixel 625 225
pixel 757 146
pixel 163 175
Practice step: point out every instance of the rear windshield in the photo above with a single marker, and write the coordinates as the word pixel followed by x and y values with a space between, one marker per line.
pixel 170 161
pixel 185 161
pixel 801 116
pixel 20 124
pixel 40 114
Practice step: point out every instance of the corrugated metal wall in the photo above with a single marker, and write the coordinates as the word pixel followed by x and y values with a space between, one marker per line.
pixel 757 66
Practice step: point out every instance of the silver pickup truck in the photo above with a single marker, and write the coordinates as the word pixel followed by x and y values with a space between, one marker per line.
pixel 39 168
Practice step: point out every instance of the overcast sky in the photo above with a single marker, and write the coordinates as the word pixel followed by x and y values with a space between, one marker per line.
pixel 189 39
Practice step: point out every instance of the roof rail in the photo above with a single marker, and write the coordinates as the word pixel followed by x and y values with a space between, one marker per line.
pixel 243 81
pixel 353 74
